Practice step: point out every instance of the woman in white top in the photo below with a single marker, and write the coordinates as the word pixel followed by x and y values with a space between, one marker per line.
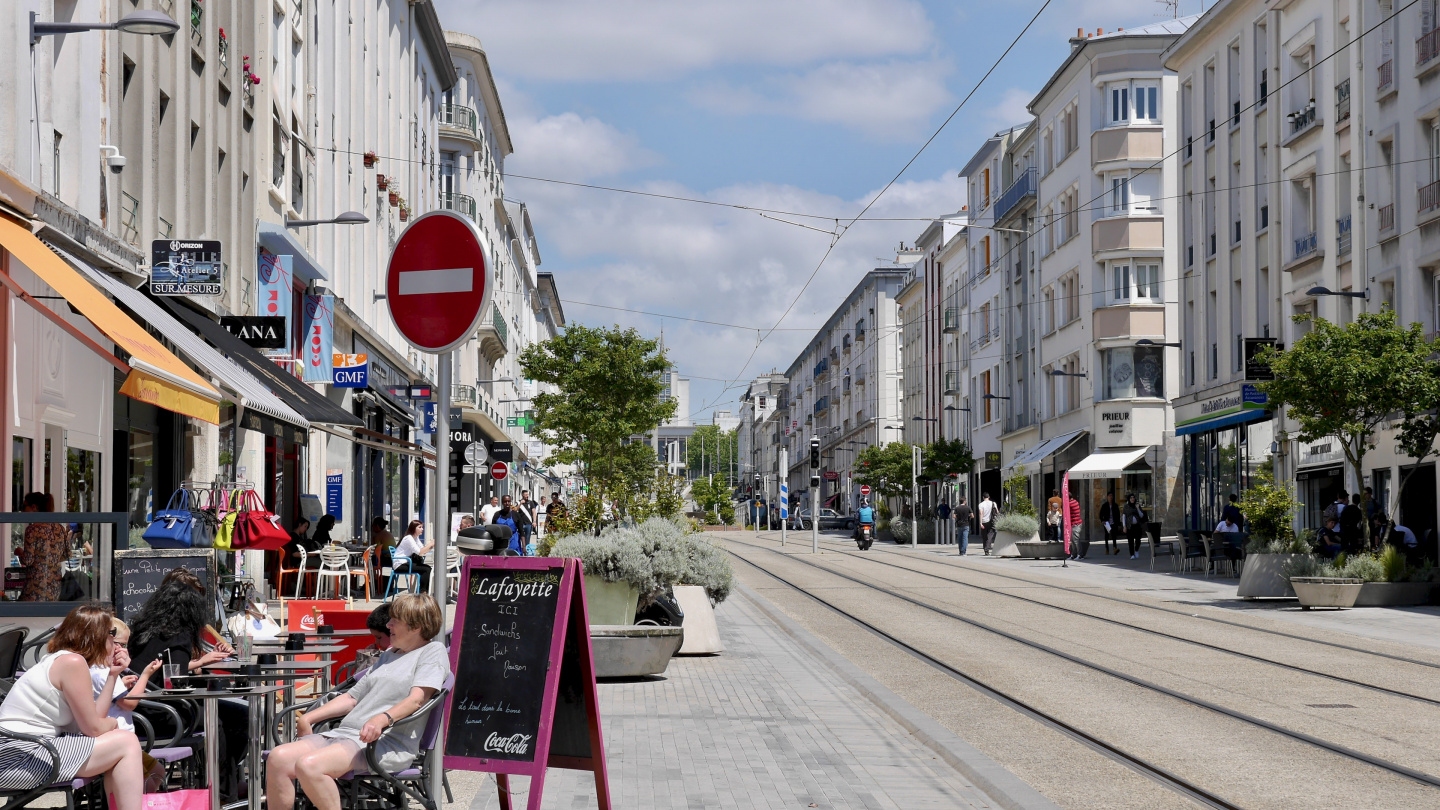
pixel 409 546
pixel 56 701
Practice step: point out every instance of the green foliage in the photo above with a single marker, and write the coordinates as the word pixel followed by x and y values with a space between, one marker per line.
pixel 709 496
pixel 886 469
pixel 616 555
pixel 1018 488
pixel 1393 564
pixel 1345 381
pixel 946 457
pixel 1427 572
pixel 1018 523
pixel 708 566
pixel 900 530
pixel 1364 566
pixel 1290 545
pixel 718 452
pixel 1269 512
pixel 653 555
pixel 1309 566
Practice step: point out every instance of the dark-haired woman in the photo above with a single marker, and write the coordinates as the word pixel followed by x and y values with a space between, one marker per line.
pixel 55 699
pixel 412 547
pixel 46 547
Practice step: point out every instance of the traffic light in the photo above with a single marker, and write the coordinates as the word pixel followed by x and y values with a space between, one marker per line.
pixel 814 452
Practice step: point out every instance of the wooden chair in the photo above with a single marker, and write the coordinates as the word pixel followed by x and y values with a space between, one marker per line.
pixel 369 567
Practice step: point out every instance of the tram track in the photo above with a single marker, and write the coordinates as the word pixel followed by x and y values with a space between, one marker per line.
pixel 1155 772
pixel 1147 630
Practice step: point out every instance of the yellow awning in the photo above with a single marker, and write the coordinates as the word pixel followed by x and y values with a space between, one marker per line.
pixel 156 376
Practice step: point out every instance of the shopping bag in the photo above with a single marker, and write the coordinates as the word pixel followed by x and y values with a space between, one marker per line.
pixel 173 526
pixel 256 528
pixel 174 800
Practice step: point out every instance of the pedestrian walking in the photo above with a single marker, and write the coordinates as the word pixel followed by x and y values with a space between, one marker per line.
pixel 962 526
pixel 1133 517
pixel 1077 551
pixel 1111 518
pixel 487 512
pixel 989 513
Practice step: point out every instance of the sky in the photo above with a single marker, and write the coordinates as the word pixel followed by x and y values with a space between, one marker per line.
pixel 808 107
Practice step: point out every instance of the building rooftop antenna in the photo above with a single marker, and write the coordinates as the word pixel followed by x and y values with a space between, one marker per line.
pixel 1172 7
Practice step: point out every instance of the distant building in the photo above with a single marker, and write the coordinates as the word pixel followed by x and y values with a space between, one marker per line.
pixel 724 420
pixel 678 389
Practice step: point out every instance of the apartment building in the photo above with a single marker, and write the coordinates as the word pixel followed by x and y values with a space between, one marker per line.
pixel 760 434
pixel 845 387
pixel 1015 213
pixel 1107 274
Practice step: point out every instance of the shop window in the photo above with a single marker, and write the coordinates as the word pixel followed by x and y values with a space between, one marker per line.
pixel 1133 371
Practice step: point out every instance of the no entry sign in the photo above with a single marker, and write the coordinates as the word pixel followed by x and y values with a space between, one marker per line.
pixel 438 284
pixel 864 489
pixel 499 470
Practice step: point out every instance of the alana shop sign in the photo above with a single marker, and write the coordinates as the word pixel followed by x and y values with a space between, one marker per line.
pixel 186 268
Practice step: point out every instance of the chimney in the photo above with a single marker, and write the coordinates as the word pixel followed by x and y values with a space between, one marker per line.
pixel 1079 33
pixel 1099 32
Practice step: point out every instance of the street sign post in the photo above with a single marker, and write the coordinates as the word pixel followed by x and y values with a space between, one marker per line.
pixel 784 493
pixel 499 470
pixel 864 490
pixel 475 453
pixel 437 286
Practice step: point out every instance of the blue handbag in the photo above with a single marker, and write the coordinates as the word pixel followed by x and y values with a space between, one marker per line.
pixel 173 526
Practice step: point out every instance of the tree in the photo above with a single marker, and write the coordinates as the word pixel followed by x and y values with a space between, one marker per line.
pixel 711 450
pixel 1346 381
pixel 608 389
pixel 886 469
pixel 946 457
pixel 711 494
pixel 1420 427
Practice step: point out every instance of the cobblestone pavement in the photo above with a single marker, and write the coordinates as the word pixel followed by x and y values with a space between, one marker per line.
pixel 765 724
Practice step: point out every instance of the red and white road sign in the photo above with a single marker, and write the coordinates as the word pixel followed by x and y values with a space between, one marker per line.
pixel 499 470
pixel 439 283
pixel 831 475
pixel 864 489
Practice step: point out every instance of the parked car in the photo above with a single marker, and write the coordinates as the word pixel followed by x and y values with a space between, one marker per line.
pixel 829 519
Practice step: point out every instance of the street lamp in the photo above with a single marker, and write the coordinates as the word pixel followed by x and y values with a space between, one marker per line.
pixel 1149 342
pixel 994 396
pixel 347 218
pixel 137 22
pixel 1319 291
pixel 1059 373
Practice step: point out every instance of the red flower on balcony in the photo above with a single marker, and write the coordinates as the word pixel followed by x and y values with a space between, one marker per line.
pixel 394 199
pixel 381 183
pixel 371 159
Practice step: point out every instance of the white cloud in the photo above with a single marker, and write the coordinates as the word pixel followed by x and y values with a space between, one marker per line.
pixel 1010 109
pixel 582 40
pixel 891 100
pixel 716 264
pixel 572 147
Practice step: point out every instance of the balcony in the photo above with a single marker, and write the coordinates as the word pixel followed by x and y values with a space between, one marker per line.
pixel 494 336
pixel 459 203
pixel 461 119
pixel 1385 74
pixel 952 383
pixel 821 368
pixel 845 385
pixel 1024 186
pixel 1302 119
pixel 845 343
pixel 1342 101
pixel 1306 245
pixel 1342 235
pixel 197 23
pixel 821 405
pixel 1429 197
pixel 1427 47
pixel 1387 217
pixel 951 320
pixel 465 396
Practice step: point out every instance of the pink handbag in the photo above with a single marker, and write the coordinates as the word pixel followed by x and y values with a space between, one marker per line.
pixel 174 800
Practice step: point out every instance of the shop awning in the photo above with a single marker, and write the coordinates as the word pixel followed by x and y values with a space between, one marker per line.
pixel 264 410
pixel 154 375
pixel 315 407
pixel 278 239
pixel 1221 421
pixel 1109 463
pixel 1043 450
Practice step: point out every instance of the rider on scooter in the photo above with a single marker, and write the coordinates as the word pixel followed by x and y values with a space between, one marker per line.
pixel 867 520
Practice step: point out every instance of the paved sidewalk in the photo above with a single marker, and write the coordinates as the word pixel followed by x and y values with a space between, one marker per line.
pixel 1418 625
pixel 767 724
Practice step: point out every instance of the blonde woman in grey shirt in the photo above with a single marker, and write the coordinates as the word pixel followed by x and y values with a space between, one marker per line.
pixel 411 672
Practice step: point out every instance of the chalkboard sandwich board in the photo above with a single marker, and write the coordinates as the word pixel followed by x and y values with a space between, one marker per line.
pixel 138 573
pixel 524 697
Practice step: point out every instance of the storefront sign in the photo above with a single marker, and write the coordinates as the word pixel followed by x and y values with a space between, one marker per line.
pixel 255 331
pixel 534 449
pixel 351 370
pixel 1254 368
pixel 273 289
pixel 992 461
pixel 430 418
pixel 335 493
pixel 1249 397
pixel 185 268
pixel 502 451
pixel 317 346
pixel 1320 451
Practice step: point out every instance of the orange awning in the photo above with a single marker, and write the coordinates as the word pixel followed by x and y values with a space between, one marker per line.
pixel 156 376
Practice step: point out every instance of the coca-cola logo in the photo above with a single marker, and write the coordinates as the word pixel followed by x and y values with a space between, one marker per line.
pixel 514 744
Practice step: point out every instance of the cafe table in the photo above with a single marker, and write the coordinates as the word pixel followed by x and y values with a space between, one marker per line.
pixel 210 698
pixel 284 671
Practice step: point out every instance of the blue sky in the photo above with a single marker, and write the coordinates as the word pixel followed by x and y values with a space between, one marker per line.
pixel 808 106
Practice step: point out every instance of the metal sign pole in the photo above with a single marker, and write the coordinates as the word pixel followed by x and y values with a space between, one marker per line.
pixel 814 518
pixel 914 504
pixel 440 497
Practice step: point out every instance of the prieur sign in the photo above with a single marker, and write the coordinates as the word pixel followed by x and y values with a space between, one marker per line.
pixel 1129 424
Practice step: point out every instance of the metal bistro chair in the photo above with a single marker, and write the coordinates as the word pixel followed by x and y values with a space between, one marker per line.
pixel 300 571
pixel 1228 548
pixel 20 798
pixel 12 644
pixel 400 567
pixel 334 564
pixel 452 570
pixel 1169 548
pixel 377 788
pixel 1194 550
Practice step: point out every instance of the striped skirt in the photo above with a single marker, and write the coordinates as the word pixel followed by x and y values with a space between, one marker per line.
pixel 25 765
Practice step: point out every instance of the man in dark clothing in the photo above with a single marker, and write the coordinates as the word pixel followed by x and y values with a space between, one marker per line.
pixel 1110 520
pixel 1351 525
pixel 1232 512
pixel 962 526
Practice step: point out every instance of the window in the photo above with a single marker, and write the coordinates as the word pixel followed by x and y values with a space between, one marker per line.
pixel 1147 281
pixel 1120 282
pixel 1139 99
pixel 1129 193
pixel 1133 371
pixel 55 163
pixel 1147 102
pixel 1119 193
pixel 1119 103
pixel 985 389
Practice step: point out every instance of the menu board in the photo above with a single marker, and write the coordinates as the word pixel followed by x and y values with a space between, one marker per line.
pixel 503 660
pixel 138 572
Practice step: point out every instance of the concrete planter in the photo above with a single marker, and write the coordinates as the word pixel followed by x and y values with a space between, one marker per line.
pixel 1394 594
pixel 1264 576
pixel 631 651
pixel 1005 543
pixel 1041 549
pixel 610 602
pixel 1336 592
pixel 702 634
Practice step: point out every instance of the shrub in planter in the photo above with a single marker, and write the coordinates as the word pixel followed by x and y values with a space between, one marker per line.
pixel 900 530
pixel 1292 545
pixel 1024 526
pixel 616 555
pixel 1310 566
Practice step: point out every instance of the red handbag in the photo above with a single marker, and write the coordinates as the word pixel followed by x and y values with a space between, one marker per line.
pixel 257 529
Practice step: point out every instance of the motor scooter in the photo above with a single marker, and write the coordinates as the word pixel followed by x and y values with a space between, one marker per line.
pixel 864 536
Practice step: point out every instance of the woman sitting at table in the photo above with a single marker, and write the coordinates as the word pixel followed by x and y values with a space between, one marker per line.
pixel 410 548
pixel 411 672
pixel 55 699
